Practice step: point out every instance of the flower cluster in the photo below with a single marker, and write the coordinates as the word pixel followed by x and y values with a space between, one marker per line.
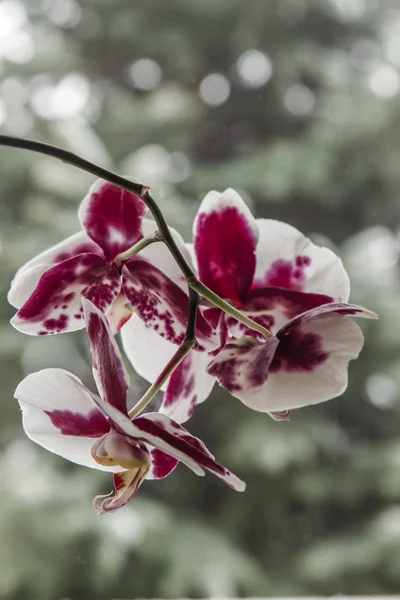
pixel 264 312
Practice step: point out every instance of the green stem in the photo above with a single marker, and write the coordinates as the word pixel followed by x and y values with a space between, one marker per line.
pixel 204 291
pixel 136 248
pixel 175 361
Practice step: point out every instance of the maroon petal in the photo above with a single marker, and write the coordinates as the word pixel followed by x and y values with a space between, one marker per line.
pixel 346 310
pixel 225 239
pixel 272 307
pixel 184 445
pixel 55 304
pixel 161 464
pixel 160 432
pixel 161 303
pixel 243 365
pixel 112 217
pixel 108 368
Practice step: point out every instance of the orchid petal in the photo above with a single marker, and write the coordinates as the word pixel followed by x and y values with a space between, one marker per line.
pixel 162 465
pixel 58 413
pixel 112 217
pixel 183 443
pixel 109 371
pixel 309 365
pixel 160 432
pixel 225 237
pixel 149 353
pixel 288 259
pixel 55 305
pixel 342 308
pixel 243 366
pixel 27 276
pixel 126 485
pixel 189 385
pixel 164 261
pixel 273 307
pixel 161 303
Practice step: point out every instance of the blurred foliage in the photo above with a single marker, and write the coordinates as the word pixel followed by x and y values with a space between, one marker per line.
pixel 296 104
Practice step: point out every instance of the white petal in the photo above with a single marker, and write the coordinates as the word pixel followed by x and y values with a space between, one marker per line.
pixel 159 256
pixel 341 339
pixel 44 397
pixel 188 386
pixel 27 276
pixel 281 242
pixel 147 351
pixel 138 432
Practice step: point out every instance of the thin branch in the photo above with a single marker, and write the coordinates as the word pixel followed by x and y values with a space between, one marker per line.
pixel 122 182
pixel 183 350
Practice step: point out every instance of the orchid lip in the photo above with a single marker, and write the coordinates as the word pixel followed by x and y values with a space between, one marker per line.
pixel 115 449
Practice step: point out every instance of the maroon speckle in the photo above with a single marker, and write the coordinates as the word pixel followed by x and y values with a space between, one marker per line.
pixel 159 301
pixel 226 372
pixel 225 247
pixel 292 302
pixel 288 274
pixel 180 385
pixel 54 289
pixel 92 424
pixel 298 351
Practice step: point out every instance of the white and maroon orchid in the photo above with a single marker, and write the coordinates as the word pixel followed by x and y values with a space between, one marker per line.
pixel 48 289
pixel 91 264
pixel 266 269
pixel 306 362
pixel 63 416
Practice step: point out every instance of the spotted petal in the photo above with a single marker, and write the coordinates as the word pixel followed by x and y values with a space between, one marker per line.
pixel 112 217
pixel 108 368
pixel 160 432
pixel 225 237
pixel 149 353
pixel 306 363
pixel 288 259
pixel 161 303
pixel 55 304
pixel 188 386
pixel 58 413
pixel 27 276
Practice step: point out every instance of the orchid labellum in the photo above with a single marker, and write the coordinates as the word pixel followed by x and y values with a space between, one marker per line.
pixel 63 416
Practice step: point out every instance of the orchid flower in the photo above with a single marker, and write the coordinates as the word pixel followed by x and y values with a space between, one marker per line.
pixel 63 416
pixel 305 363
pixel 94 264
pixel 265 268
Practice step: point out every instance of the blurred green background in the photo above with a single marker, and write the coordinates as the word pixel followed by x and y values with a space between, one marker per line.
pixel 296 104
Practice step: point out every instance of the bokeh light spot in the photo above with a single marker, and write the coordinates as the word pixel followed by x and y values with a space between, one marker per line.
pixel 254 68
pixel 215 89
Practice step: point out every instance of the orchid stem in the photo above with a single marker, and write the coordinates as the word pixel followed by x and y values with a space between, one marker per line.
pixel 175 361
pixel 136 248
pixel 183 350
pixel 131 186
pixel 209 295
